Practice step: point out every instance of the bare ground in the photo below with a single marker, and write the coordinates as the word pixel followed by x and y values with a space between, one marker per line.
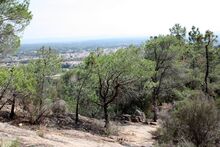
pixel 132 135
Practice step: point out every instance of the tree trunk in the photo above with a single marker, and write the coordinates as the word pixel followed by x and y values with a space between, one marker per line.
pixel 106 116
pixel 42 92
pixel 77 111
pixel 78 98
pixel 207 69
pixel 154 106
pixel 12 114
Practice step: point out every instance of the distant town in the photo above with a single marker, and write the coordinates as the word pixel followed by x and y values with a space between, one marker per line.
pixel 72 53
pixel 69 58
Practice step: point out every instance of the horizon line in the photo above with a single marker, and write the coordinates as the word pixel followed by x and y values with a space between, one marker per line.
pixel 77 39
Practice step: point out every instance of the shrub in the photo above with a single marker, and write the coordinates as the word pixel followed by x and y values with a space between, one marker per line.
pixel 37 113
pixel 59 107
pixel 193 120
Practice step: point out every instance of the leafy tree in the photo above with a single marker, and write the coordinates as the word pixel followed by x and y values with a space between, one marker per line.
pixel 77 89
pixel 20 87
pixel 42 71
pixel 83 75
pixel 16 85
pixel 178 31
pixel 5 81
pixel 163 51
pixel 203 43
pixel 76 83
pixel 209 39
pixel 14 17
pixel 116 73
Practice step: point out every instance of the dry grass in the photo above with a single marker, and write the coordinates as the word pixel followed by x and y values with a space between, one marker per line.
pixel 9 143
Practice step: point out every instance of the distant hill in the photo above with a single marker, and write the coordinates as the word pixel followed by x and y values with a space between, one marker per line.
pixel 85 45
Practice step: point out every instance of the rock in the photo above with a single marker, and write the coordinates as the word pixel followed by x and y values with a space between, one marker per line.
pixel 135 119
pixel 138 116
pixel 138 113
pixel 126 117
pixel 59 107
pixel 141 115
pixel 153 123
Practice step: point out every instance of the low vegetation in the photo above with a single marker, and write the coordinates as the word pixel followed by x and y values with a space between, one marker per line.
pixel 194 120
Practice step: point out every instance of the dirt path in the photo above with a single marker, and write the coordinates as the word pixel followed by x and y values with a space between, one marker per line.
pixel 134 135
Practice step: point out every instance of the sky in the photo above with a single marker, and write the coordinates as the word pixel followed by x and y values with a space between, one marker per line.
pixel 90 19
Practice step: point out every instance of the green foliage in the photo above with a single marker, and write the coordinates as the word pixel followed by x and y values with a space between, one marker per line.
pixel 14 17
pixel 115 76
pixel 166 68
pixel 164 51
pixel 178 31
pixel 77 84
pixel 194 120
pixel 40 74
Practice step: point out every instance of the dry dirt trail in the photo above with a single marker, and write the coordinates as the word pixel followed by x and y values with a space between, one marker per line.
pixel 133 135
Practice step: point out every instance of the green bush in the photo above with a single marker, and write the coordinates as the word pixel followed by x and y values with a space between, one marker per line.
pixel 193 120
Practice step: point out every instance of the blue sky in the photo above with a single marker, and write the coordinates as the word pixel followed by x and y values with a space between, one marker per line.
pixel 87 19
